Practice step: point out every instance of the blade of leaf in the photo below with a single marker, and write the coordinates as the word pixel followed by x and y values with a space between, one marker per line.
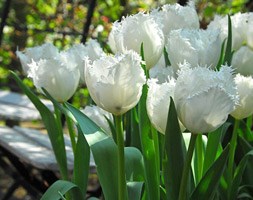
pixel 59 188
pixel 229 52
pixel 238 175
pixel 207 186
pixel 55 136
pixel 104 151
pixel 151 158
pixel 81 164
pixel 213 143
pixel 134 190
pixel 175 152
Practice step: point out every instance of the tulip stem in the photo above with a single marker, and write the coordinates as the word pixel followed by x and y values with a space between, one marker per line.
pixel 187 166
pixel 121 159
pixel 231 157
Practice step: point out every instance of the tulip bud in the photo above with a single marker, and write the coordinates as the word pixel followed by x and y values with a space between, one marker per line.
pixel 44 51
pixel 242 61
pixel 204 98
pixel 59 75
pixel 197 47
pixel 115 82
pixel 134 30
pixel 245 90
pixel 99 116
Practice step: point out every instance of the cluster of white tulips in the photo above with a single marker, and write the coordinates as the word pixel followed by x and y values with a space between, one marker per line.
pixel 159 56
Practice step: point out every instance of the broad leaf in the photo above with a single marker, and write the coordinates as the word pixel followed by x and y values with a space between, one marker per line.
pixel 104 151
pixel 59 189
pixel 208 185
pixel 174 154
pixel 55 135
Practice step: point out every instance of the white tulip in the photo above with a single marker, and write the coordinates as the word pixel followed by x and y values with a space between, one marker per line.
pixel 204 98
pixel 115 82
pixel 242 61
pixel 175 16
pixel 245 90
pixel 161 72
pixel 58 75
pixel 239 23
pixel 99 116
pixel 92 49
pixel 158 102
pixel 197 47
pixel 44 51
pixel 134 30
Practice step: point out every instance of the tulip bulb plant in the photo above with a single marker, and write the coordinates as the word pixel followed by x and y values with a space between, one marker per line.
pixel 144 108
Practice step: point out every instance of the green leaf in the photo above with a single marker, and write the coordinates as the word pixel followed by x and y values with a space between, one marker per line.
pixel 228 52
pixel 59 189
pixel 81 164
pixel 134 190
pixel 104 151
pixel 150 150
pixel 55 135
pixel 208 185
pixel 238 175
pixel 166 57
pixel 221 55
pixel 213 143
pixel 175 153
pixel 134 164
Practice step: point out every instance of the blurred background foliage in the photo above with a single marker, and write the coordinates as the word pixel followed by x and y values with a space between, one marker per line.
pixel 64 22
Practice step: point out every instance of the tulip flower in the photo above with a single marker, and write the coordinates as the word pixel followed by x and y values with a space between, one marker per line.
pixel 239 28
pixel 242 61
pixel 134 30
pixel 245 90
pixel 59 75
pixel 175 16
pixel 197 47
pixel 99 116
pixel 161 72
pixel 158 102
pixel 204 98
pixel 44 51
pixel 91 49
pixel 115 82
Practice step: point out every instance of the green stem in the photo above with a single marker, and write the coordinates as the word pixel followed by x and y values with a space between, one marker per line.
pixel 72 133
pixel 121 159
pixel 187 166
pixel 231 157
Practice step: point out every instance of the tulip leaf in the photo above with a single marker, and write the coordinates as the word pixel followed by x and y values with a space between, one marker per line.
pixel 166 57
pixel 134 190
pixel 134 164
pixel 175 152
pixel 228 53
pixel 149 150
pixel 213 143
pixel 58 189
pixel 208 184
pixel 244 147
pixel 81 154
pixel 220 62
pixel 55 135
pixel 104 151
pixel 238 175
pixel 81 164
